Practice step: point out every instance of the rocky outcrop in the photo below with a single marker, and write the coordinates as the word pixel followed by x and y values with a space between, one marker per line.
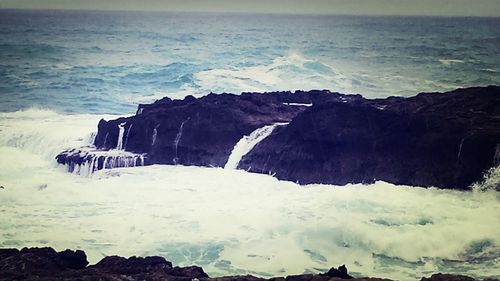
pixel 46 264
pixel 199 132
pixel 26 264
pixel 446 140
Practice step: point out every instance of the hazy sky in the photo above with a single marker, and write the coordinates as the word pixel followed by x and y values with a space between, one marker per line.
pixel 377 7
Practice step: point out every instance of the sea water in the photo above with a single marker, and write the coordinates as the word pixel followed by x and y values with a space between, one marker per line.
pixel 107 62
pixel 62 71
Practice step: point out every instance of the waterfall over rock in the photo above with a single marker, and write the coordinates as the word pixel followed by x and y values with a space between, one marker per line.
pixel 177 140
pixel 155 135
pixel 87 160
pixel 445 140
pixel 121 131
pixel 246 144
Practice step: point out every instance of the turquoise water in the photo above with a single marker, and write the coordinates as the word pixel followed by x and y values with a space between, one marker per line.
pixel 107 62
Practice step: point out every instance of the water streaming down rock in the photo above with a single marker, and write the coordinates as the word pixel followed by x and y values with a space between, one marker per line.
pixel 92 137
pixel 155 135
pixel 177 140
pixel 200 132
pixel 121 127
pixel 87 160
pixel 342 138
pixel 105 139
pixel 246 144
pixel 126 138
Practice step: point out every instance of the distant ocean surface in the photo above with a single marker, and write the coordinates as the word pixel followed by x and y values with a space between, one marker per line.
pixel 107 62
pixel 62 71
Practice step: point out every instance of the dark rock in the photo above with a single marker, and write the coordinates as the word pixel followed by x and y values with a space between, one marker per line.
pixel 133 265
pixel 447 277
pixel 340 272
pixel 45 264
pixel 445 140
pixel 39 261
pixel 73 259
pixel 199 132
pixel 5 253
pixel 189 271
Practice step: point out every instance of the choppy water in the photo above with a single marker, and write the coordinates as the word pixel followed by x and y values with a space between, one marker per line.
pixel 60 72
pixel 230 221
pixel 106 62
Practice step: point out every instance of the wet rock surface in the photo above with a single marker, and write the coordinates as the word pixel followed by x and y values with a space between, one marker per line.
pixel 47 264
pixel 445 140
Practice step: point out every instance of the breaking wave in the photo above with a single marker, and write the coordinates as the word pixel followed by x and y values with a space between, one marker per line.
pixel 292 72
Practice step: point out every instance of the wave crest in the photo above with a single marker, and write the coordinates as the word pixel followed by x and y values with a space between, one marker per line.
pixel 292 72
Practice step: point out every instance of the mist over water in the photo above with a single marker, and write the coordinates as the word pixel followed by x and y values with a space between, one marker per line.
pixel 61 72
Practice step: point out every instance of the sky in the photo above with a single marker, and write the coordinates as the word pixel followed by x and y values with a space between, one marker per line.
pixel 357 7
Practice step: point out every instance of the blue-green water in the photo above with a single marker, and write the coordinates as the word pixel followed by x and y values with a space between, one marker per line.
pixel 107 62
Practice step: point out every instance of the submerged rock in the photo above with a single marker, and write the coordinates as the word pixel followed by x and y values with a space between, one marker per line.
pixel 445 140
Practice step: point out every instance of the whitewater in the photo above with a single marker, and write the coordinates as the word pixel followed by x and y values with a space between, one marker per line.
pixel 230 221
pixel 62 71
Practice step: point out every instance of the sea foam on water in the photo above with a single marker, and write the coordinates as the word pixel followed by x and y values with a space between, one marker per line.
pixel 230 221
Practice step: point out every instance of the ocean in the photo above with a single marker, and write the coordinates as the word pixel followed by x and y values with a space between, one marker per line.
pixel 62 71
pixel 107 62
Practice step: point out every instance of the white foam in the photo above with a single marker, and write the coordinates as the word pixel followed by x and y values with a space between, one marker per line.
pixel 489 70
pixel 211 217
pixel 298 104
pixel 450 61
pixel 292 72
pixel 46 132
pixel 109 159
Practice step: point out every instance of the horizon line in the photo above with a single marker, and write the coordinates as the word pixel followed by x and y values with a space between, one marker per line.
pixel 248 13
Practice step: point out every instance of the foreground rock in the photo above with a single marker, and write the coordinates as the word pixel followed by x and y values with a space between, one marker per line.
pixel 446 140
pixel 47 264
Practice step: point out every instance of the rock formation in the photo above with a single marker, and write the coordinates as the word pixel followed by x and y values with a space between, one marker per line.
pixel 445 140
